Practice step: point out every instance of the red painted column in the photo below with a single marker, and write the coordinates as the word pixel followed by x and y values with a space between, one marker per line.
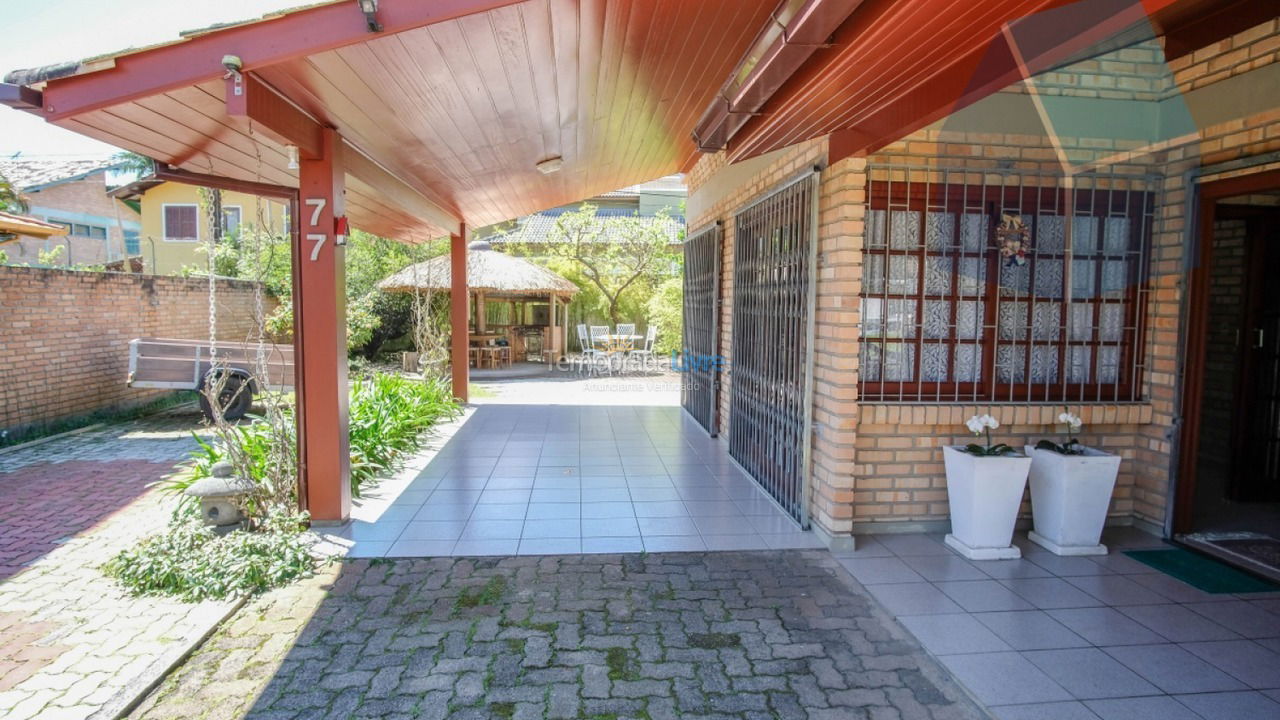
pixel 320 336
pixel 459 334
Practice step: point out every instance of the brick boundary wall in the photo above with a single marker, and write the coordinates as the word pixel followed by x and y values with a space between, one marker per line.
pixel 65 334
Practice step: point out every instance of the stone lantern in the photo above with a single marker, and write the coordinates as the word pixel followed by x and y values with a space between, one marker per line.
pixel 220 495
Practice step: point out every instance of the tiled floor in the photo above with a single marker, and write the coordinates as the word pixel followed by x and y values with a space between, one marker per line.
pixel 1050 638
pixel 547 479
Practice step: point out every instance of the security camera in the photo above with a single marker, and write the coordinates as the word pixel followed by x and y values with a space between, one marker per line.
pixel 232 63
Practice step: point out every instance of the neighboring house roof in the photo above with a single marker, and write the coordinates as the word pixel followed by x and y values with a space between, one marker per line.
pixel 487 270
pixel 667 185
pixel 541 228
pixel 32 175
pixel 27 225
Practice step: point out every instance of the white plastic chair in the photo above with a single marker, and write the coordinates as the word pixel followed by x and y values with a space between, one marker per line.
pixel 645 355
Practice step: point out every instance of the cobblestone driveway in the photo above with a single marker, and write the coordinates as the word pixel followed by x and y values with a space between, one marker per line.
pixel 776 634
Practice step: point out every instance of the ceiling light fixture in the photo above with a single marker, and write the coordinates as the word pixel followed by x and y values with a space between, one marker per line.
pixel 370 10
pixel 550 165
pixel 292 151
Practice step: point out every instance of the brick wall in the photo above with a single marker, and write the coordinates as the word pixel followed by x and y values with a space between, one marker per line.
pixel 879 466
pixel 87 196
pixel 65 336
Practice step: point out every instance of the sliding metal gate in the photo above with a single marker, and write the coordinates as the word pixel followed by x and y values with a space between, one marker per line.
pixel 699 391
pixel 771 395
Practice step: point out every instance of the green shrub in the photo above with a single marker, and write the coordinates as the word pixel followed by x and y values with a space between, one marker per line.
pixel 666 310
pixel 388 415
pixel 189 560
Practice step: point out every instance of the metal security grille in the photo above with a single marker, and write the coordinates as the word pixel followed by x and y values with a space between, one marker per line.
pixel 773 312
pixel 699 391
pixel 1004 286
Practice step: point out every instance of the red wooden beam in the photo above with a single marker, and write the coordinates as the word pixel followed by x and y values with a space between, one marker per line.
pixel 284 123
pixel 258 44
pixel 459 333
pixel 20 97
pixel 224 183
pixel 273 115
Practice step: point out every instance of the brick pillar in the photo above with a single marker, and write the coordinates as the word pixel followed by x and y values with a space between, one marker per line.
pixel 320 337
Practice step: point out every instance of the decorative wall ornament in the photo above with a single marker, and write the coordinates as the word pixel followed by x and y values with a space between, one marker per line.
pixel 1013 238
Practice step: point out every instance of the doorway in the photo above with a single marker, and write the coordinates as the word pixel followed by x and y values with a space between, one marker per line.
pixel 1228 497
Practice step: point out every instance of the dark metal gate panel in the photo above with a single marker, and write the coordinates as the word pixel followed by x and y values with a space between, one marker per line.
pixel 699 390
pixel 770 418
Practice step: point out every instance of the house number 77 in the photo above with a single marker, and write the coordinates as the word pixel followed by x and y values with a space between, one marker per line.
pixel 317 207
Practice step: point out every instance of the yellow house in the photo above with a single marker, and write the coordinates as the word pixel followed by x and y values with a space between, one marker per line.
pixel 173 228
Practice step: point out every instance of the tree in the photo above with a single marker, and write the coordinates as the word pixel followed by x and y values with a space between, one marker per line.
pixel 616 255
pixel 10 200
pixel 131 162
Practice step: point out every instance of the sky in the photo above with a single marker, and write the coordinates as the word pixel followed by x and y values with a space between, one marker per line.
pixel 42 32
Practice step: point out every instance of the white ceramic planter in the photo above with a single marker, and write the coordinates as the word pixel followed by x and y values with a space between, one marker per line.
pixel 1070 495
pixel 984 494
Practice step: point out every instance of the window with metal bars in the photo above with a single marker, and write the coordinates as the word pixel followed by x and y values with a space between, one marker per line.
pixel 1004 286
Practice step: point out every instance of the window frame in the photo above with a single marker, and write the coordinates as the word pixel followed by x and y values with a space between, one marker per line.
pixel 164 222
pixel 959 200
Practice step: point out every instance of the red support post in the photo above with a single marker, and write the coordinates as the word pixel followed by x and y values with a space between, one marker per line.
pixel 320 335
pixel 460 339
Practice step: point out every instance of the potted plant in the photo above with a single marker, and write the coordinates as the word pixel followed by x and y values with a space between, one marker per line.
pixel 984 490
pixel 1071 489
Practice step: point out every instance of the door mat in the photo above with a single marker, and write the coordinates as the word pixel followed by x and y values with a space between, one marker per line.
pixel 1202 572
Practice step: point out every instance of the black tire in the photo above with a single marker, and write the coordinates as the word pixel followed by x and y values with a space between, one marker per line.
pixel 236 398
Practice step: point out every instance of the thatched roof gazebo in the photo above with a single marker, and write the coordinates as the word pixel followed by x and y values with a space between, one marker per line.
pixel 538 298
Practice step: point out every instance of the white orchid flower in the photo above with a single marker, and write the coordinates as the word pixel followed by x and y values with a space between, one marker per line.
pixel 1071 420
pixel 990 422
pixel 975 425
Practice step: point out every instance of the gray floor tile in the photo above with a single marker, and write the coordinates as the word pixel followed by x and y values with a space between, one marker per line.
pixel 903 545
pixel 1232 705
pixel 1159 707
pixel 509 483
pixel 549 546
pixel 1105 626
pixel 598 510
pixel 865 546
pixel 492 529
pixel 1030 630
pixel 555 495
pixel 1173 669
pixel 384 531
pixel 712 508
pixel 1005 569
pixel 1065 566
pixel 953 634
pixel 558 528
pixel 794 540
pixel 672 508
pixel 1005 678
pixel 674 543
pixel 871 571
pixel 553 511
pixel 412 497
pixel 369 548
pixel 1116 590
pixel 494 497
pixel 735 542
pixel 723 525
pixel 651 526
pixel 612 545
pixel 943 567
pixel 1050 593
pixel 512 511
pixel 554 482
pixel 505 546
pixel 421 548
pixel 443 513
pixel 915 598
pixel 1175 589
pixel 1045 711
pixel 433 531
pixel 453 497
pixel 1241 617
pixel 1089 673
pixel 609 527
pixel 773 524
pixel 1246 660
pixel 605 494
pixel 654 494
pixel 983 596
pixel 1177 623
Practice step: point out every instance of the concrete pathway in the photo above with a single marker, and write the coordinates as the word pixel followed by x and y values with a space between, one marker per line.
pixel 752 635
pixel 1085 638
pixel 72 643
